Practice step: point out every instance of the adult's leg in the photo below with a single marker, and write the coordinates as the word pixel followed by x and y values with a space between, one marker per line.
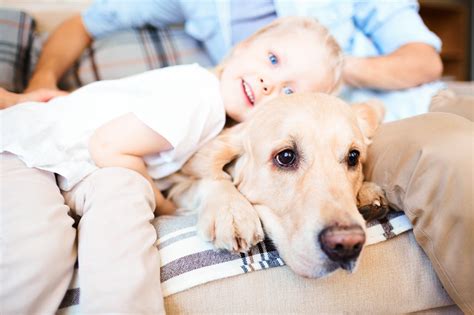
pixel 425 165
pixel 119 267
pixel 37 241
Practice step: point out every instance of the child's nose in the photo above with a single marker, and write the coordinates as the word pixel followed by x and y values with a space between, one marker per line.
pixel 267 86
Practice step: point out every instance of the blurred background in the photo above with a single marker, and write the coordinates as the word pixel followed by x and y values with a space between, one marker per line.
pixel 452 21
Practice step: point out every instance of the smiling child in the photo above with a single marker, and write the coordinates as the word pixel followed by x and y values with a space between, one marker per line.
pixel 153 122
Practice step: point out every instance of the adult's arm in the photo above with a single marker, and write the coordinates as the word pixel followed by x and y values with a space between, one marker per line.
pixel 123 142
pixel 408 50
pixel 60 51
pixel 410 65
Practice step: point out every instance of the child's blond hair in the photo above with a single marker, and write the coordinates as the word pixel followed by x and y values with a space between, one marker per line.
pixel 322 36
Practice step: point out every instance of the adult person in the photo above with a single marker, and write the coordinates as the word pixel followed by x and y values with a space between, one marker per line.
pixel 424 163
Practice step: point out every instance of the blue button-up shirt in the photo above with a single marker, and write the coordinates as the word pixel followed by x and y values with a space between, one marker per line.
pixel 362 28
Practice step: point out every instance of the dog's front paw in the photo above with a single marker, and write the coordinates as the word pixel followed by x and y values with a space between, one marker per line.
pixel 372 202
pixel 229 221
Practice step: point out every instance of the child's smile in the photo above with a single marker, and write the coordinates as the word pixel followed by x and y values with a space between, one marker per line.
pixel 248 93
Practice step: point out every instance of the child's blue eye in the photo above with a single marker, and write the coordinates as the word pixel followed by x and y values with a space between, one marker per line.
pixel 287 90
pixel 273 59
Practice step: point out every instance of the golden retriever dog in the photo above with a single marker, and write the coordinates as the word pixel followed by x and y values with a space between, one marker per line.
pixel 294 166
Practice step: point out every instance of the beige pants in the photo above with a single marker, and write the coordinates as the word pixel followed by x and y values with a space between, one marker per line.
pixel 119 266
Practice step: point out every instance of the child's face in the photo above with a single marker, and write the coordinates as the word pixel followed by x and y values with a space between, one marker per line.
pixel 276 63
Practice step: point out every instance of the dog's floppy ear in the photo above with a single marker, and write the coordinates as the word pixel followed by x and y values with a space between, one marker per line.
pixel 369 116
pixel 210 160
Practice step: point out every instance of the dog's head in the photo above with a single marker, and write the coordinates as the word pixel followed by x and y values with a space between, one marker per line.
pixel 299 162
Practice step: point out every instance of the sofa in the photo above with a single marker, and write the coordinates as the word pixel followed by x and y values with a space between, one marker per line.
pixel 394 275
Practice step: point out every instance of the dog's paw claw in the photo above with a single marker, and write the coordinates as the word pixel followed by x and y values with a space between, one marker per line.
pixel 372 202
pixel 241 245
pixel 259 237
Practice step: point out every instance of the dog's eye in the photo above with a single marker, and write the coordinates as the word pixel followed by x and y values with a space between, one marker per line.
pixel 353 158
pixel 285 158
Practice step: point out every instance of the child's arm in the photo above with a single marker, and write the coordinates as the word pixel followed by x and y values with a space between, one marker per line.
pixel 123 142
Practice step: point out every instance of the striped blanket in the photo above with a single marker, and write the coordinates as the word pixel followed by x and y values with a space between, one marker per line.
pixel 188 261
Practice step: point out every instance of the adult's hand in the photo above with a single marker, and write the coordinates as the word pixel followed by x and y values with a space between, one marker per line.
pixel 8 99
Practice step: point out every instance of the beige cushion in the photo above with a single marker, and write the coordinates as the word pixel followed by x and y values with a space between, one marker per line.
pixel 393 277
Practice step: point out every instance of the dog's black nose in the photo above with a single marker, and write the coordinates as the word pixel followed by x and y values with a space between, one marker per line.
pixel 342 244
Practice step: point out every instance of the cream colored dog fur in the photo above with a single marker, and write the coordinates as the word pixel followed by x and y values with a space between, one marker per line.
pixel 296 167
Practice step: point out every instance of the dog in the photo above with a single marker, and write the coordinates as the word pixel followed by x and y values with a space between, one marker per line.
pixel 294 166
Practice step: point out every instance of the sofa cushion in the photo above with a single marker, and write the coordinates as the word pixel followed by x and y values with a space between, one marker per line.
pixel 121 54
pixel 393 277
pixel 133 51
pixel 16 38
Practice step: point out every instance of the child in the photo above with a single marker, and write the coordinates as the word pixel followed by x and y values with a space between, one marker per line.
pixel 149 123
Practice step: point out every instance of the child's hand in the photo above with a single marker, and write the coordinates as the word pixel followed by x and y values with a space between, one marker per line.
pixel 8 99
pixel 166 206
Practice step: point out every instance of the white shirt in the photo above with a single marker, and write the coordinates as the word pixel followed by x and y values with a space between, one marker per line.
pixel 181 103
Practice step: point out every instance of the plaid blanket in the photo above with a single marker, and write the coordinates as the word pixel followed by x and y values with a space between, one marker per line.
pixel 16 37
pixel 118 55
pixel 139 50
pixel 188 261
